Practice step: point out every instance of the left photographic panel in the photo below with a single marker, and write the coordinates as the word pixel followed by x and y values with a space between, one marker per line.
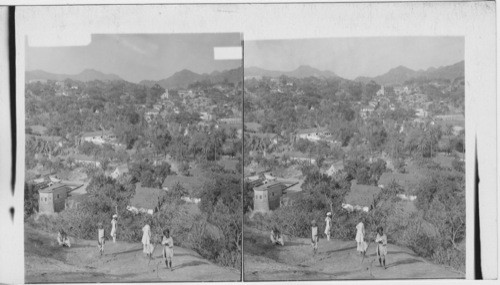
pixel 132 157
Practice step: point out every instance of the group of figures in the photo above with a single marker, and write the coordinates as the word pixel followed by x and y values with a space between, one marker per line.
pixel 148 247
pixel 166 241
pixel 362 245
pixel 100 233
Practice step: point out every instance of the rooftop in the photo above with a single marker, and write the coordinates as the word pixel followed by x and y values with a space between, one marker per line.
pixel 406 180
pixel 38 129
pixel 46 138
pixel 253 126
pixel 51 188
pixel 190 183
pixel 83 157
pixel 298 154
pixel 312 130
pixel 263 135
pixel 362 195
pixel 97 133
pixel 145 197
pixel 267 186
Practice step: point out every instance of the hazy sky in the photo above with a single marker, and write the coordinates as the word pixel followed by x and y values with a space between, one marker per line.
pixel 137 57
pixel 353 57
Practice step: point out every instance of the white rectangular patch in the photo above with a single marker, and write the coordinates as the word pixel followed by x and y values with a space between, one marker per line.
pixel 226 53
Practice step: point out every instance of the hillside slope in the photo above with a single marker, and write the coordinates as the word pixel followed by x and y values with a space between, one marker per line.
pixel 46 262
pixel 85 75
pixel 335 259
pixel 400 74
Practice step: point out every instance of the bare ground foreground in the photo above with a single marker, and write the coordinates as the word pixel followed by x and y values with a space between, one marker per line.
pixel 335 259
pixel 46 262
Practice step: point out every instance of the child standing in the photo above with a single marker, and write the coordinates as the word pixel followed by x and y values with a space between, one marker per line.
pixel 168 248
pixel 100 237
pixel 382 246
pixel 314 236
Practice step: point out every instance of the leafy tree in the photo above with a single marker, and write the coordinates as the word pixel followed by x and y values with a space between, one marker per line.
pixel 247 197
pixel 177 192
pixel 331 190
pixel 149 175
pixel 221 203
pixel 159 136
pixel 184 168
pixel 107 195
pixel 30 199
pixel 377 168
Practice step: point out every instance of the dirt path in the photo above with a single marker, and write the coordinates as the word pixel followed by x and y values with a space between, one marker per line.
pixel 335 259
pixel 121 262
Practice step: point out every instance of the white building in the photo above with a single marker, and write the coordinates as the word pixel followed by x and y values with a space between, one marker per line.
pixel 313 135
pixel 381 92
pixel 98 137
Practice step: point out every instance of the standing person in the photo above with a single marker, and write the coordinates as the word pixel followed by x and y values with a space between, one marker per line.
pixel 328 226
pixel 382 246
pixel 146 239
pixel 360 238
pixel 113 227
pixel 168 248
pixel 314 236
pixel 100 237
pixel 276 237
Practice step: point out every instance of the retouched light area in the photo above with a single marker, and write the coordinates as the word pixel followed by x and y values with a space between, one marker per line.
pixel 352 57
pixel 137 57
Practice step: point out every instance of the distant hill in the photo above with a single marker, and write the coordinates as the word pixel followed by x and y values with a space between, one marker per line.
pixel 302 71
pixel 450 72
pixel 183 78
pixel 400 74
pixel 180 79
pixel 86 75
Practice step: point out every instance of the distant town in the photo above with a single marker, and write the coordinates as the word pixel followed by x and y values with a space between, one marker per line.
pixel 371 147
pixel 98 146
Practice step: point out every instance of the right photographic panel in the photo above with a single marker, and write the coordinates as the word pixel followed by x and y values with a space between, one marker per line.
pixel 354 158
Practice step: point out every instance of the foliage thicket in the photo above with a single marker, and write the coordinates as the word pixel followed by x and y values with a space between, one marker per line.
pixel 391 136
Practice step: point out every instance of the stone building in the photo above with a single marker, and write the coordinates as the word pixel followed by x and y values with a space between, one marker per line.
pixel 267 196
pixel 52 199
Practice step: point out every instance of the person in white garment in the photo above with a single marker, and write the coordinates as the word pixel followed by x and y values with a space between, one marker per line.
pixel 360 238
pixel 113 227
pixel 381 241
pixel 168 248
pixel 314 236
pixel 328 225
pixel 146 240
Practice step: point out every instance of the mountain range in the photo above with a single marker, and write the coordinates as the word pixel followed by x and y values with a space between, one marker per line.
pixel 301 72
pixel 185 77
pixel 86 75
pixel 400 74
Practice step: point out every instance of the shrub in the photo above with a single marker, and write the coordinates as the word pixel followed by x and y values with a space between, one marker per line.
pixel 30 199
pixel 184 168
pixel 424 245
pixel 450 257
pixel 458 165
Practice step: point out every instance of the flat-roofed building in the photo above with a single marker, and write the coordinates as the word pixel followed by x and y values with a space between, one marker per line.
pixel 267 196
pixel 52 199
